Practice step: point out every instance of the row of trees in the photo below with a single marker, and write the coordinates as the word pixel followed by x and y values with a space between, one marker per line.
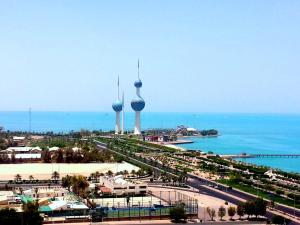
pixel 18 178
pixel 255 208
pixel 85 155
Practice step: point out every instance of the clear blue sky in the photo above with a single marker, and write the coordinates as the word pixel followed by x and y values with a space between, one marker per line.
pixel 196 56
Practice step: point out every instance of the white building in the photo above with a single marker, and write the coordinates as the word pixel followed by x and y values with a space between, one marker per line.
pixel 46 192
pixel 6 197
pixel 24 152
pixel 119 186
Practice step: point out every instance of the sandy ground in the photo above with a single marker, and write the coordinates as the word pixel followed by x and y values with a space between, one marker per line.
pixel 44 171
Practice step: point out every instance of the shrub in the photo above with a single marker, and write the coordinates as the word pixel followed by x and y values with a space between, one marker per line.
pixel 240 210
pixel 177 213
pixel 231 211
pixel 211 213
pixel 221 212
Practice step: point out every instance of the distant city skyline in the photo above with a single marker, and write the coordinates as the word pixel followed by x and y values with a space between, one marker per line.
pixel 195 56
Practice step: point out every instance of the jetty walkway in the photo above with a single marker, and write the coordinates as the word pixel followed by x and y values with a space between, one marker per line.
pixel 262 156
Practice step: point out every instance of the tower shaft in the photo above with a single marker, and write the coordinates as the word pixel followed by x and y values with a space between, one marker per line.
pixel 117 128
pixel 137 126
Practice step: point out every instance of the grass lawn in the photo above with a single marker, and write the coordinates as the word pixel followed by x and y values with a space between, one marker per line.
pixel 263 194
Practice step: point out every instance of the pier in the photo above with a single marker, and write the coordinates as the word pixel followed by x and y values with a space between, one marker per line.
pixel 262 156
pixel 274 155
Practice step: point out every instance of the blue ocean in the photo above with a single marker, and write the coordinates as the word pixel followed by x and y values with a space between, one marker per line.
pixel 239 133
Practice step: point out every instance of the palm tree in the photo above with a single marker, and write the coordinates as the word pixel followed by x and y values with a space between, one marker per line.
pixel 110 173
pixel 92 176
pixel 31 178
pixel 36 190
pixel 97 175
pixel 133 173
pixel 175 179
pixel 55 176
pixel 125 172
pixel 66 182
pixel 18 178
pixel 79 185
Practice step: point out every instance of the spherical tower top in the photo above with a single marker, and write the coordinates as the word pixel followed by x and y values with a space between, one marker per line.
pixel 117 106
pixel 138 83
pixel 138 104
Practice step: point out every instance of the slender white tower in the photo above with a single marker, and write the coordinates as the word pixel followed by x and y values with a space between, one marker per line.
pixel 117 107
pixel 138 104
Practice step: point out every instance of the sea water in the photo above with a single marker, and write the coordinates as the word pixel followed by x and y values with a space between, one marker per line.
pixel 239 133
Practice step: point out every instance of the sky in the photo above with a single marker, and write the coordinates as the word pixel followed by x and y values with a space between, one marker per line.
pixel 195 56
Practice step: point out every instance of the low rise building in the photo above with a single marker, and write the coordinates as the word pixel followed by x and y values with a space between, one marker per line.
pixel 19 141
pixel 23 152
pixel 45 192
pixel 119 186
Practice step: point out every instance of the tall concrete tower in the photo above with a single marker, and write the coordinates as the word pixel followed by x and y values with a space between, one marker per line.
pixel 117 107
pixel 138 104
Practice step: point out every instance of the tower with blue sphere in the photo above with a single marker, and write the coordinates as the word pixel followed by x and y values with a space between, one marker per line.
pixel 117 107
pixel 138 104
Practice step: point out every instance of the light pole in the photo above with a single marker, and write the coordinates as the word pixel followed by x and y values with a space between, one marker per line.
pixel 140 211
pixel 294 205
pixel 119 210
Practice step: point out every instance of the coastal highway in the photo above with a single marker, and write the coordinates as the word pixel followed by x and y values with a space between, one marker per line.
pixel 230 197
pixel 240 194
pixel 202 185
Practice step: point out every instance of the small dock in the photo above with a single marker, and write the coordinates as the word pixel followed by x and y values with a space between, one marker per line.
pixel 179 142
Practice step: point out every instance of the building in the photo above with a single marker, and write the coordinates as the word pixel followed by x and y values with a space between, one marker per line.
pixel 138 104
pixel 19 141
pixel 119 186
pixel 6 197
pixel 23 152
pixel 117 107
pixel 45 192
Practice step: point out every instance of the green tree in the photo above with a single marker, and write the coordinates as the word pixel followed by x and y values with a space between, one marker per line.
pixel 249 208
pixel 260 207
pixel 55 176
pixel 66 182
pixel 59 156
pixel 97 175
pixel 13 157
pixel 18 178
pixel 31 178
pixel 177 213
pixel 231 211
pixel 69 155
pixel 79 185
pixel 221 212
pixel 211 213
pixel 280 220
pixel 240 210
pixel 10 217
pixel 46 156
pixel 31 214
pixel 133 172
pixel 125 172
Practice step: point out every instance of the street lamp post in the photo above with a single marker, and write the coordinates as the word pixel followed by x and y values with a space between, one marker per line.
pixel 140 211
